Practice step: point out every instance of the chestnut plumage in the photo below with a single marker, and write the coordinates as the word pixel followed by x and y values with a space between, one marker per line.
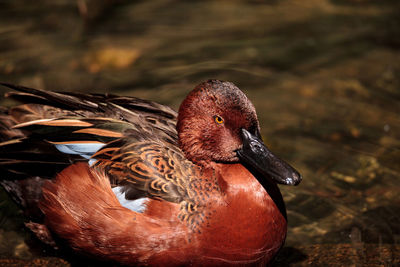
pixel 133 182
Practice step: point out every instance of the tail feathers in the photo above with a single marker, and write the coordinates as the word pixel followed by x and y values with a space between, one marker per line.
pixel 6 124
pixel 95 104
pixel 23 158
pixel 52 98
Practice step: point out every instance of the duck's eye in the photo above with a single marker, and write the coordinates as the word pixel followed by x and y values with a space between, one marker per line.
pixel 218 119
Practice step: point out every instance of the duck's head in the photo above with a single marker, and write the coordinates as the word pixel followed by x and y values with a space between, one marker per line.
pixel 218 123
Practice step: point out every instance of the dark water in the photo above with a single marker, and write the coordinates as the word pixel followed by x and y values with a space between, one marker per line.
pixel 323 75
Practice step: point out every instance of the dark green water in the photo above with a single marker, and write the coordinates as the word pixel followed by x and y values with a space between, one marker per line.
pixel 324 77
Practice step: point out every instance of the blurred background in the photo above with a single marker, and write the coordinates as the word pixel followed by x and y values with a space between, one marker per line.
pixel 324 76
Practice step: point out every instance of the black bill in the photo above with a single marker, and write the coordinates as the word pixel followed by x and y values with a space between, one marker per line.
pixel 257 155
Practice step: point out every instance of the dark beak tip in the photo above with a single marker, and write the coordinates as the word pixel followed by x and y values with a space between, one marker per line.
pixel 291 177
pixel 294 180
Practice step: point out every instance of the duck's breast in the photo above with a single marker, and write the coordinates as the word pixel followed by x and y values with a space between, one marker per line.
pixel 245 225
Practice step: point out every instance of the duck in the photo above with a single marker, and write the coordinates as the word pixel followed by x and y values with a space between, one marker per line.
pixel 132 182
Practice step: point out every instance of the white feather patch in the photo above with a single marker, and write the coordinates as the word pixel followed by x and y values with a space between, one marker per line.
pixel 137 205
pixel 85 150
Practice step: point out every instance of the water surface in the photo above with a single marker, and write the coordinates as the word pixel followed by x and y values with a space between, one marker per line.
pixel 324 77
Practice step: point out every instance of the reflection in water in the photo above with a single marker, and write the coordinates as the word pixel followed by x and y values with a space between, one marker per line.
pixel 323 75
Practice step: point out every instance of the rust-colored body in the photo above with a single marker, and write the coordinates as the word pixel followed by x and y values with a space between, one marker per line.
pixel 244 227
